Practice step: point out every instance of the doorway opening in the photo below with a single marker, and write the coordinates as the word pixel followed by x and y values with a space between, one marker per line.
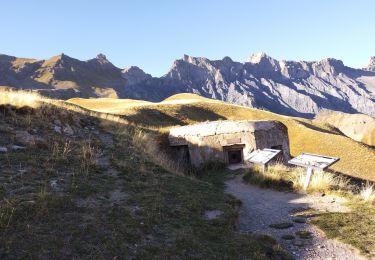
pixel 233 154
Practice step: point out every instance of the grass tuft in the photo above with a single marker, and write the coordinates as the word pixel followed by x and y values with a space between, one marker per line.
pixel 299 220
pixel 367 192
pixel 281 177
pixel 304 234
pixel 283 225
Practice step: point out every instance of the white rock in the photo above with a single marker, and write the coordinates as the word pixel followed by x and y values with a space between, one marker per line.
pixel 213 214
pixel 57 129
pixel 17 147
pixel 68 130
pixel 3 149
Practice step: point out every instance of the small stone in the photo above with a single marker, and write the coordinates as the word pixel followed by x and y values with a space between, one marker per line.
pixel 298 243
pixel 68 130
pixel 17 147
pixel 23 137
pixel 53 185
pixel 57 129
pixel 212 214
pixel 3 149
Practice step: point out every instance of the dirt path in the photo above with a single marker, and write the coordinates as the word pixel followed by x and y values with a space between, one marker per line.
pixel 263 207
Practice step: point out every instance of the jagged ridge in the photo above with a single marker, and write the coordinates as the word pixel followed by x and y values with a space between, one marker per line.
pixel 298 88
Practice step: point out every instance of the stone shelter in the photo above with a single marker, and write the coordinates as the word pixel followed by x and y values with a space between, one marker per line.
pixel 228 141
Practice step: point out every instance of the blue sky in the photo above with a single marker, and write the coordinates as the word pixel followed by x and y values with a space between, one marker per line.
pixel 152 34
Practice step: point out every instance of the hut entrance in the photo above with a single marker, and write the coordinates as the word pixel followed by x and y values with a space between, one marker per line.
pixel 181 153
pixel 233 153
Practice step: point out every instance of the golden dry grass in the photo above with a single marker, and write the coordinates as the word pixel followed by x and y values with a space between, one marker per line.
pixel 107 105
pixel 367 192
pixel 280 176
pixel 305 135
pixel 20 99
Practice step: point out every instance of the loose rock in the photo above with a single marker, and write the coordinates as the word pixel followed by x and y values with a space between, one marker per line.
pixel 212 214
pixel 17 147
pixel 68 130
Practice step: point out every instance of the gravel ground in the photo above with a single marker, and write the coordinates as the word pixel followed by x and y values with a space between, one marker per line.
pixel 263 207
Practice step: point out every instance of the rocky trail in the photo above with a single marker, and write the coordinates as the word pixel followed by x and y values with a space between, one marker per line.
pixel 263 207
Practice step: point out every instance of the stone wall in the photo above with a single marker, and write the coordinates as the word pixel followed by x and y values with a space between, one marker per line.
pixel 207 141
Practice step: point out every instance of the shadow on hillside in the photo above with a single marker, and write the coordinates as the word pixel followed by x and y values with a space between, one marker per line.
pixel 198 114
pixel 316 128
pixel 353 180
pixel 152 118
pixel 155 118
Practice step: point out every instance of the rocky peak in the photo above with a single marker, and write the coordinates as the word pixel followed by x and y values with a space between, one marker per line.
pixel 101 61
pixel 328 66
pixel 58 60
pixel 134 75
pixel 227 59
pixel 258 57
pixel 262 59
pixel 263 65
pixel 371 64
pixel 195 60
pixel 294 69
pixel 6 58
pixel 101 56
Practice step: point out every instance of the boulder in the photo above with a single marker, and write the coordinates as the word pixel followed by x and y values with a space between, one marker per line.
pixel 25 138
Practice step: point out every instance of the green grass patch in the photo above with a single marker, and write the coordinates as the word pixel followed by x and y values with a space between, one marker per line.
pixel 356 227
pixel 299 220
pixel 283 225
pixel 288 237
pixel 304 234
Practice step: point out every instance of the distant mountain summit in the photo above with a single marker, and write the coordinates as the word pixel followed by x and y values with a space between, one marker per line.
pixel 371 64
pixel 298 88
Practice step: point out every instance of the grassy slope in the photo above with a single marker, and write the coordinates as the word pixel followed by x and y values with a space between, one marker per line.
pixel 305 135
pixel 158 216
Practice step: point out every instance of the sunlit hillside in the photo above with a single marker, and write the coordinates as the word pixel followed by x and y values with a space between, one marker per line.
pixel 356 126
pixel 305 135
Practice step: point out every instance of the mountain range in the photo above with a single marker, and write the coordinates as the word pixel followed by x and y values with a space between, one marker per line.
pixel 296 88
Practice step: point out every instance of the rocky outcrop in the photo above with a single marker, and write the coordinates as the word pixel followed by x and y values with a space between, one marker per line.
pixel 134 75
